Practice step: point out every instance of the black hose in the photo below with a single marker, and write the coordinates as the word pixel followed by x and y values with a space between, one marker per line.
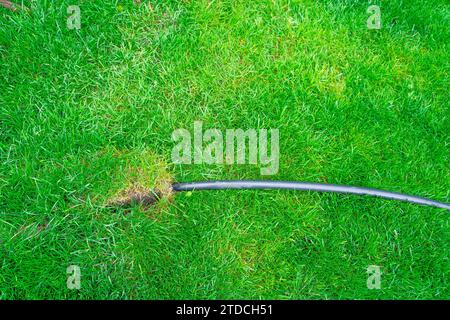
pixel 306 186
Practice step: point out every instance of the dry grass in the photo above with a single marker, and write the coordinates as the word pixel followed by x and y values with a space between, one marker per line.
pixel 140 179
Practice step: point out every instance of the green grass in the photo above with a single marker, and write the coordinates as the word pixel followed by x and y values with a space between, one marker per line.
pixel 353 106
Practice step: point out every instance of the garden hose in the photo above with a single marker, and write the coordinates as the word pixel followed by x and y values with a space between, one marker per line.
pixel 305 186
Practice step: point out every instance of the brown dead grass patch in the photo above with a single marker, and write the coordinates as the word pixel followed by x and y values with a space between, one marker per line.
pixel 141 178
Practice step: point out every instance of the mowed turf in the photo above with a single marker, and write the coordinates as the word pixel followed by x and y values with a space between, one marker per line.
pixel 84 111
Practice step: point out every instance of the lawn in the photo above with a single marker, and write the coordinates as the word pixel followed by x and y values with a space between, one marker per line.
pixel 86 113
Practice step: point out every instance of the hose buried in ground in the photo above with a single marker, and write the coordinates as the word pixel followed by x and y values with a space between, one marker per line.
pixel 305 186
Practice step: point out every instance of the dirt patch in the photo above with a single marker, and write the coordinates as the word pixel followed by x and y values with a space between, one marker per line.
pixel 138 178
pixel 12 6
pixel 139 195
